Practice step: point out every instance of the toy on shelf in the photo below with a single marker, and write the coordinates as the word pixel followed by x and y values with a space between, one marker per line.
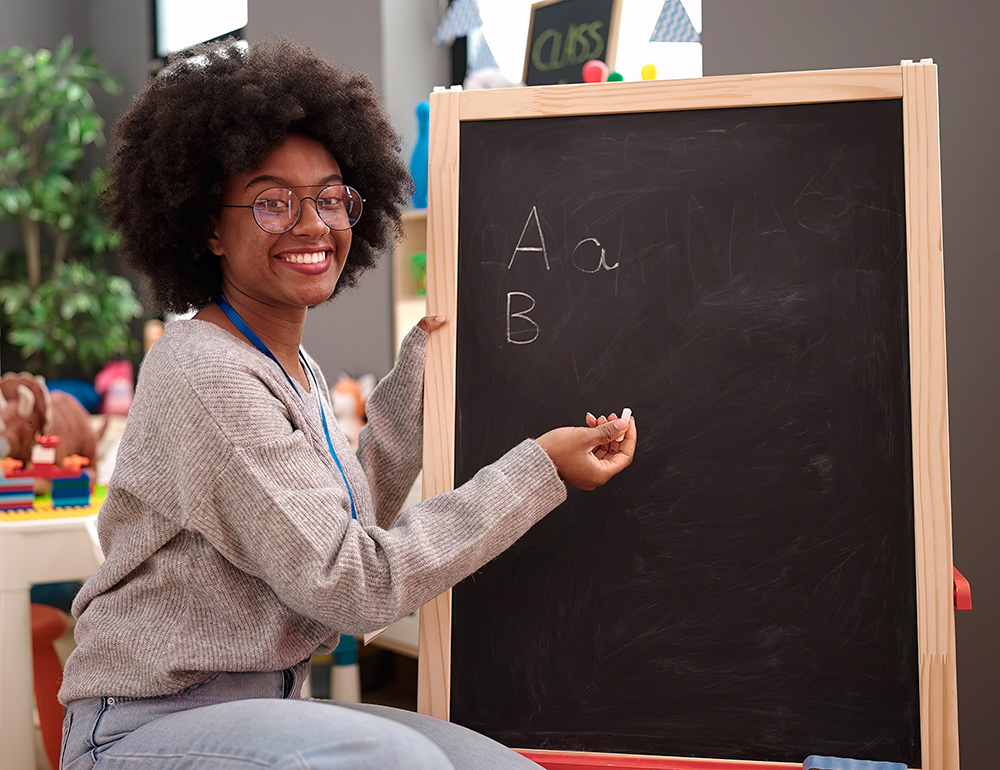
pixel 114 383
pixel 418 161
pixel 349 396
pixel 595 71
pixel 418 272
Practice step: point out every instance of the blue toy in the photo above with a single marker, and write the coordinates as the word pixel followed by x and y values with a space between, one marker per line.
pixel 84 392
pixel 418 161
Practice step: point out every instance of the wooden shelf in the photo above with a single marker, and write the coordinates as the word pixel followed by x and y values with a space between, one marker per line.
pixel 402 637
pixel 408 307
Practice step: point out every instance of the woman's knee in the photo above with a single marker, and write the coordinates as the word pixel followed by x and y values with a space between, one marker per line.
pixel 389 746
pixel 344 738
pixel 464 748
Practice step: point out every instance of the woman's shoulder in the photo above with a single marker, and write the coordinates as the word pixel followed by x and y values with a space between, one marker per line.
pixel 200 351
pixel 191 339
pixel 196 361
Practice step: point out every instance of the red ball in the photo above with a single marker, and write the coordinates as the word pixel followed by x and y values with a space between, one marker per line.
pixel 595 71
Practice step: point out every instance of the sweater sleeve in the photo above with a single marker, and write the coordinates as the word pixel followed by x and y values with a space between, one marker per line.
pixel 390 448
pixel 270 519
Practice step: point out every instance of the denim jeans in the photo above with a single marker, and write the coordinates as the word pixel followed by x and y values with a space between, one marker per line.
pixel 256 720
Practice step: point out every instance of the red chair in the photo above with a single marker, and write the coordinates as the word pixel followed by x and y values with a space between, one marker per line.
pixel 47 625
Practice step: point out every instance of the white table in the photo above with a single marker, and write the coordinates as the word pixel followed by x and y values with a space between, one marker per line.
pixel 34 551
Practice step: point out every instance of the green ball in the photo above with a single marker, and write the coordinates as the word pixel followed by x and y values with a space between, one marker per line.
pixel 615 77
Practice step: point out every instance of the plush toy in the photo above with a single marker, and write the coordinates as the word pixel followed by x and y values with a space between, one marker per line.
pixel 349 396
pixel 28 410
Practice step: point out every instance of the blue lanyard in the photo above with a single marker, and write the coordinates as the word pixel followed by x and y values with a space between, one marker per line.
pixel 258 343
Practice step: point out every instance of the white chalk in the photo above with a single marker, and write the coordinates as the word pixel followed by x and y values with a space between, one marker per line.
pixel 626 415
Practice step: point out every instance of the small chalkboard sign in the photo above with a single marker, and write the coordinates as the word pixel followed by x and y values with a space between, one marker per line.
pixel 565 34
pixel 753 265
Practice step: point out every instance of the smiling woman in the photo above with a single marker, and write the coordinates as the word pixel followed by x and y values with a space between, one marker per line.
pixel 239 525
pixel 272 274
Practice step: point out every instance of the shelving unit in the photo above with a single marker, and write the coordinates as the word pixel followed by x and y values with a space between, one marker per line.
pixel 408 307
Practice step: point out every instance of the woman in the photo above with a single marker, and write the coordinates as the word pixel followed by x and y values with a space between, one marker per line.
pixel 241 533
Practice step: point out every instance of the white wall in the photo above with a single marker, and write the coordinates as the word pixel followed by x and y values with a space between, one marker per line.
pixel 411 63
pixel 40 23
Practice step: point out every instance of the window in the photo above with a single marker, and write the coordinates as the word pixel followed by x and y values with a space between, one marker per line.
pixel 181 24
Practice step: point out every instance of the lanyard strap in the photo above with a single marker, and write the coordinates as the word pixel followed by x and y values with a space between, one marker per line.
pixel 326 432
pixel 258 343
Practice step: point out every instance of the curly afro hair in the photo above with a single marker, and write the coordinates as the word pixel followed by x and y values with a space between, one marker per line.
pixel 205 119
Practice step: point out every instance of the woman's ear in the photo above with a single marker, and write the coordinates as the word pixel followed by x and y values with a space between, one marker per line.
pixel 214 242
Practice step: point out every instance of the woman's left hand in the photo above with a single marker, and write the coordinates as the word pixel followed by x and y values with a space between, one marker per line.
pixel 431 323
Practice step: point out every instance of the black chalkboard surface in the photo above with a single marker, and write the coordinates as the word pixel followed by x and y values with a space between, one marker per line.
pixel 738 278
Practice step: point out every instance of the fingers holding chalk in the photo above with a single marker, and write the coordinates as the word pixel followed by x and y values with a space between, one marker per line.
pixel 626 416
pixel 593 421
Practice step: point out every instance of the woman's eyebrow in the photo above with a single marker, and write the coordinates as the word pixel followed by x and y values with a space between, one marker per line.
pixel 279 182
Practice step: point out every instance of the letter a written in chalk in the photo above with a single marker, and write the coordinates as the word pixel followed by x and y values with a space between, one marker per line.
pixel 531 239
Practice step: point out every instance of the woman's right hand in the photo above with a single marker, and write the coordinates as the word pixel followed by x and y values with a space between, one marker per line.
pixel 430 323
pixel 587 457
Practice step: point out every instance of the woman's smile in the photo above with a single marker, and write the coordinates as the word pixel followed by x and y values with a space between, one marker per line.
pixel 307 262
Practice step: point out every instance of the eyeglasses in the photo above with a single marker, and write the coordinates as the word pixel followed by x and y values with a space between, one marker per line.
pixel 277 209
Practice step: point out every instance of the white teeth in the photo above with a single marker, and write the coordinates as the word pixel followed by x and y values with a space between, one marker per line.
pixel 305 259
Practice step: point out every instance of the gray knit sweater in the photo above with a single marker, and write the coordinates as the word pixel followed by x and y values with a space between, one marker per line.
pixel 227 527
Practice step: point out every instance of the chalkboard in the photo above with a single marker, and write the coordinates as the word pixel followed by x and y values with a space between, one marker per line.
pixel 738 277
pixel 565 34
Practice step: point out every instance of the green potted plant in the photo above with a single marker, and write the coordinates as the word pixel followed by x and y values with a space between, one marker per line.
pixel 58 306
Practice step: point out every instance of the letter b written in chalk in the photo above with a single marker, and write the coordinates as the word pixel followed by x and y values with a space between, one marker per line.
pixel 521 329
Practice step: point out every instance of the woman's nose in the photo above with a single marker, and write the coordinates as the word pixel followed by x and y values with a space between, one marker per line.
pixel 310 222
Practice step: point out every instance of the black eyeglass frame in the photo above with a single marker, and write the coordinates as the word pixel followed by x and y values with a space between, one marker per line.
pixel 300 199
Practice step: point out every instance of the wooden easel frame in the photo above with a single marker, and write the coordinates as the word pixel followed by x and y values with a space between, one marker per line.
pixel 916 85
pixel 613 29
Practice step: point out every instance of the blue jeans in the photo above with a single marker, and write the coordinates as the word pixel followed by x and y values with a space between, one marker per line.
pixel 238 721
